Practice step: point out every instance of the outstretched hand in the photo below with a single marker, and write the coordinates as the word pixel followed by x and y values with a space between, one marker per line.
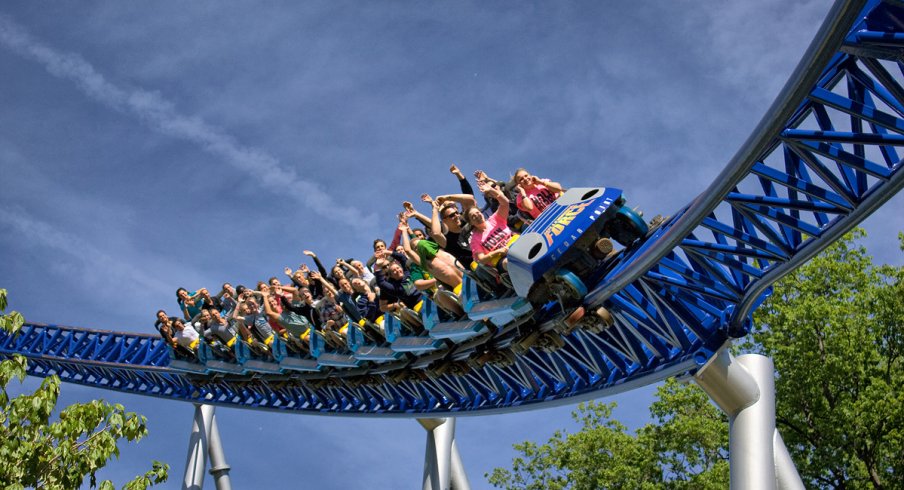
pixel 309 253
pixel 427 199
pixel 480 175
pixel 408 207
pixel 454 171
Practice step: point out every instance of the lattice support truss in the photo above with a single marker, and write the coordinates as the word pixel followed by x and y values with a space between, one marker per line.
pixel 824 157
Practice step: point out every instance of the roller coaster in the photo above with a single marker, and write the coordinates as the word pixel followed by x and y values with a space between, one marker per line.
pixel 821 160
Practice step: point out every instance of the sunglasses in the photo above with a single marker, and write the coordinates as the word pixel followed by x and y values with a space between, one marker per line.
pixel 452 215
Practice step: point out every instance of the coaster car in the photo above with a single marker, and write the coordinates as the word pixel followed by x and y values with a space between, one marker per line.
pixel 569 242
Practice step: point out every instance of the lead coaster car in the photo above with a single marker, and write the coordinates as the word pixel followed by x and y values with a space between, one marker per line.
pixel 568 243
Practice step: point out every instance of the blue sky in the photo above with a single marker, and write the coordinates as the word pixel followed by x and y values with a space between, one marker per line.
pixel 145 147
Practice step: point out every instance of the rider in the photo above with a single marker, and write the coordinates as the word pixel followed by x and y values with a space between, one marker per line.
pixel 534 194
pixel 490 237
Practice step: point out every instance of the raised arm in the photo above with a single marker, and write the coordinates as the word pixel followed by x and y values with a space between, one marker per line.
pixel 553 186
pixel 268 310
pixel 436 226
pixel 327 285
pixel 462 181
pixel 317 262
pixel 238 306
pixel 466 200
pixel 499 196
pixel 348 268
pixel 525 203
pixel 406 244
pixel 415 213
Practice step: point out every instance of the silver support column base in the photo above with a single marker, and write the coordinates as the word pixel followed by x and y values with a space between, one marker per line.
pixel 203 443
pixel 443 469
pixel 744 388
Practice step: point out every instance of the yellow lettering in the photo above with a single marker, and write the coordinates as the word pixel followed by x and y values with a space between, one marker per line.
pixel 557 226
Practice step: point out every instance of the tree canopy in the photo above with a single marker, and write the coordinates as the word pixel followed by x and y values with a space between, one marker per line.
pixel 685 447
pixel 38 453
pixel 834 330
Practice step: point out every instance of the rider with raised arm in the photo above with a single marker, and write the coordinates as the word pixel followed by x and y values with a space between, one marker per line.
pixel 296 328
pixel 249 314
pixel 397 290
pixel 490 236
pixel 446 225
pixel 429 256
pixel 365 299
pixel 227 297
pixel 534 194
pixel 165 326
pixel 190 303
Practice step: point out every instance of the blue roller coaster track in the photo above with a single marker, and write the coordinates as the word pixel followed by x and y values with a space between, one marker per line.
pixel 822 159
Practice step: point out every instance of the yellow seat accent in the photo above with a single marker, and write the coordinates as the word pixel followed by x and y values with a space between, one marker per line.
pixel 362 322
pixel 343 328
pixel 457 290
pixel 193 345
pixel 379 320
pixel 418 306
pixel 306 336
pixel 474 266
pixel 231 342
pixel 269 340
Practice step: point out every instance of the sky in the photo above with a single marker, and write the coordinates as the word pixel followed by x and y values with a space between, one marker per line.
pixel 150 146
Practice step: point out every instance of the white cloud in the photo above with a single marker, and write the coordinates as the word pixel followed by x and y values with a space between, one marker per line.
pixel 161 115
pixel 78 258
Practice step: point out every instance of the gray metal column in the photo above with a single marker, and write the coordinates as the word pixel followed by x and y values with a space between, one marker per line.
pixel 458 476
pixel 786 474
pixel 204 442
pixel 196 460
pixel 443 469
pixel 744 388
pixel 218 466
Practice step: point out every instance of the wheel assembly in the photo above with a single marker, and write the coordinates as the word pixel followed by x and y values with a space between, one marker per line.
pixel 567 287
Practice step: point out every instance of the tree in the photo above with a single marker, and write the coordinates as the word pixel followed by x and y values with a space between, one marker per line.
pixel 38 453
pixel 833 329
pixel 685 447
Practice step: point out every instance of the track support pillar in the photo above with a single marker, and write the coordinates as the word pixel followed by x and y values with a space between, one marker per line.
pixel 744 388
pixel 443 469
pixel 205 442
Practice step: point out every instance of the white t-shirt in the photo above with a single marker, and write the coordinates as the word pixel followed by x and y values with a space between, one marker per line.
pixel 186 336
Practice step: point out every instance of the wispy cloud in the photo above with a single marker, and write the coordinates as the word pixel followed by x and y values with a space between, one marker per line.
pixel 162 116
pixel 96 268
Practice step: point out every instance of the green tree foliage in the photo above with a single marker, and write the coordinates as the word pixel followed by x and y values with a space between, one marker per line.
pixel 685 447
pixel 835 330
pixel 38 453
